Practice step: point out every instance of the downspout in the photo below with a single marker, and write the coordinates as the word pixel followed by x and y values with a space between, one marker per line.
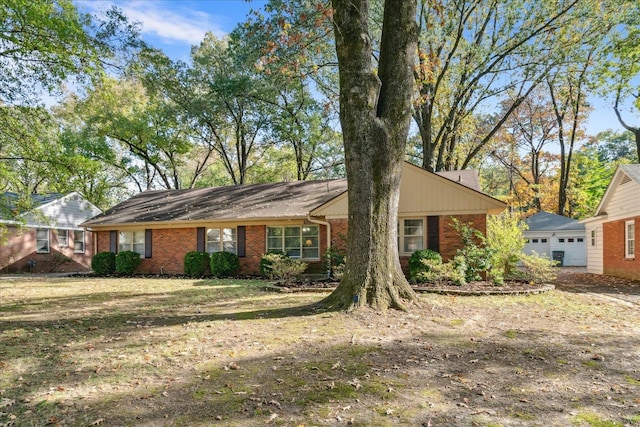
pixel 325 223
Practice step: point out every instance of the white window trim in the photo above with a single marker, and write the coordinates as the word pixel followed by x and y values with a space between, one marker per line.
pixel 302 247
pixel 84 244
pixel 130 245
pixel 401 234
pixel 48 241
pixel 66 232
pixel 221 242
pixel 629 250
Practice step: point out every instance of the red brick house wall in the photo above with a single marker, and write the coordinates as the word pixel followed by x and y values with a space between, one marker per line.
pixel 614 261
pixel 450 240
pixel 170 245
pixel 168 248
pixel 20 248
pixel 256 245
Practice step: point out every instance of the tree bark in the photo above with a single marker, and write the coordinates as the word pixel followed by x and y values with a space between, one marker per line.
pixel 632 129
pixel 375 114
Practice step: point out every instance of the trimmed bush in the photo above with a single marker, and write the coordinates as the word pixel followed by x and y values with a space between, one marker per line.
pixel 103 263
pixel 538 269
pixel 266 262
pixel 127 262
pixel 279 266
pixel 422 262
pixel 224 263
pixel 196 264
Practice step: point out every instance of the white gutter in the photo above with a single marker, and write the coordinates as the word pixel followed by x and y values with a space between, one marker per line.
pixel 325 223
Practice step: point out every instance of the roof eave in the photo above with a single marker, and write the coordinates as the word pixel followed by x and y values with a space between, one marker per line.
pixel 191 223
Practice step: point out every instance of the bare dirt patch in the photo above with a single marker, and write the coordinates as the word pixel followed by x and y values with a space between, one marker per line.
pixel 120 352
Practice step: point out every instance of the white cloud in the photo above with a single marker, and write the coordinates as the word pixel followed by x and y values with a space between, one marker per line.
pixel 170 21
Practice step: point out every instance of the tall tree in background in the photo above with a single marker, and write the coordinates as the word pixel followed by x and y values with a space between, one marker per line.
pixel 523 147
pixel 122 112
pixel 44 44
pixel 622 72
pixel 375 113
pixel 472 53
pixel 298 58
pixel 227 107
pixel 568 97
pixel 569 85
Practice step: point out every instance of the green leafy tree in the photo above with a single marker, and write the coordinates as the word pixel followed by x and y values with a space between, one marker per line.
pixel 614 146
pixel 228 105
pixel 476 255
pixel 122 116
pixel 473 53
pixel 623 69
pixel 506 239
pixel 43 43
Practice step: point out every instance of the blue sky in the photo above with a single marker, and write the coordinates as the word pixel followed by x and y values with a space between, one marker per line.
pixel 175 25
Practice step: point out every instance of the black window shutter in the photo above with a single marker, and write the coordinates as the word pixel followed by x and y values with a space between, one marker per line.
pixel 200 233
pixel 433 233
pixel 147 243
pixel 241 235
pixel 113 241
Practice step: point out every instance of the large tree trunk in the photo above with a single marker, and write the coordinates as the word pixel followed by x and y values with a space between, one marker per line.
pixel 375 113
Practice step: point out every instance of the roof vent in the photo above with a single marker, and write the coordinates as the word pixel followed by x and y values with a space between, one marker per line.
pixel 625 179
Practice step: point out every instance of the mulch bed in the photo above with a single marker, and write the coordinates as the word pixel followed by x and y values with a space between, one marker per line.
pixel 474 288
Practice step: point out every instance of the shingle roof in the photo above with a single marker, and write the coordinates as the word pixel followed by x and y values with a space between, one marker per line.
pixel 632 171
pixel 467 177
pixel 10 205
pixel 545 221
pixel 255 201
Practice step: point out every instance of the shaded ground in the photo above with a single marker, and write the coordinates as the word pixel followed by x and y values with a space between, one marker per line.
pixel 578 280
pixel 130 352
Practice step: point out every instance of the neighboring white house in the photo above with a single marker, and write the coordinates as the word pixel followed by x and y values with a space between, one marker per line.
pixel 611 235
pixel 37 238
pixel 557 237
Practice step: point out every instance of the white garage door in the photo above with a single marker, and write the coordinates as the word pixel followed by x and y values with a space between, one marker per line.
pixel 538 244
pixel 575 250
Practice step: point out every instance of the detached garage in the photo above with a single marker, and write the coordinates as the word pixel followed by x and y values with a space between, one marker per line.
pixel 557 237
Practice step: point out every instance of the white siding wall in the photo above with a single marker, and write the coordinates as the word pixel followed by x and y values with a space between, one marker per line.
pixel 625 202
pixel 67 212
pixel 594 252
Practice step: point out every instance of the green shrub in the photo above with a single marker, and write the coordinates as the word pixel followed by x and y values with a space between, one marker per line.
pixel 335 259
pixel 505 237
pixel 421 263
pixel 127 262
pixel 438 273
pixel 538 269
pixel 196 264
pixel 476 254
pixel 281 267
pixel 224 264
pixel 103 263
pixel 266 261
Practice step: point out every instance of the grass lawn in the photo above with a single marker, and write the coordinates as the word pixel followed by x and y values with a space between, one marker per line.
pixel 176 352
